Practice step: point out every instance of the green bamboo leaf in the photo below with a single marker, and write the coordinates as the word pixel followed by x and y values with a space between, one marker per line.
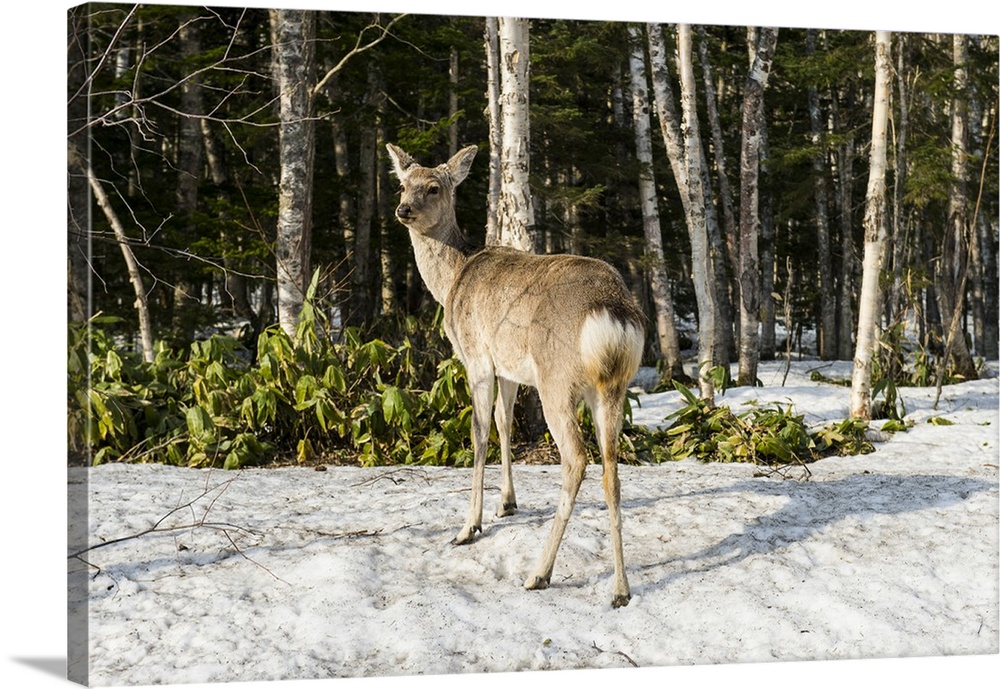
pixel 199 423
pixel 305 450
pixel 305 392
pixel 392 404
pixel 686 392
pixel 679 428
pixel 328 415
pixel 113 364
pixel 333 379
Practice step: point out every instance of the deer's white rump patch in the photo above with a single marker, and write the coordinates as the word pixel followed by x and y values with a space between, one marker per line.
pixel 609 347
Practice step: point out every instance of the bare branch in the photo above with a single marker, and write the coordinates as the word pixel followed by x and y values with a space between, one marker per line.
pixel 202 522
pixel 357 50
pixel 104 58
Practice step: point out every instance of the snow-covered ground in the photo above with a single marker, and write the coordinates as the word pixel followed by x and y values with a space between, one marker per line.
pixel 298 573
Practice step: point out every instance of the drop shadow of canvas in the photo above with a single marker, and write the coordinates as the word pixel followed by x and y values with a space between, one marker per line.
pixel 811 507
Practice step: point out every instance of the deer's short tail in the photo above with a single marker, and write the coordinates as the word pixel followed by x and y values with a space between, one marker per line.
pixel 611 350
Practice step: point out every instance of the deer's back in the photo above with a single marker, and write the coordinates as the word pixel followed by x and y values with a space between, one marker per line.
pixel 524 312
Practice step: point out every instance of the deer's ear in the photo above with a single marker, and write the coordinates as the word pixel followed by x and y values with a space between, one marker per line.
pixel 460 164
pixel 401 160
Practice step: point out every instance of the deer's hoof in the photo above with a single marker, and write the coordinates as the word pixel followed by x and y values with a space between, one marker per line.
pixel 620 600
pixel 466 535
pixel 536 583
pixel 506 509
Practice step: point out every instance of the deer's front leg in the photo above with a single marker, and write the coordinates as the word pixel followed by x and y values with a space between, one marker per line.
pixel 481 383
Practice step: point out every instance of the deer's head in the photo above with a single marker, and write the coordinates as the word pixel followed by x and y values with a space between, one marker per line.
pixel 427 198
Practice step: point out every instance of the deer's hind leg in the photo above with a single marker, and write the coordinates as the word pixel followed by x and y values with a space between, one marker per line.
pixel 506 394
pixel 560 416
pixel 607 414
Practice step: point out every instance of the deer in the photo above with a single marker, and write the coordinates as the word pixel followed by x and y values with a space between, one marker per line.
pixel 564 324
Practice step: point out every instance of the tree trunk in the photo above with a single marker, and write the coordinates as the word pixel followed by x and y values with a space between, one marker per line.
pixel 875 230
pixel 768 265
pixel 988 344
pixel 827 344
pixel 491 40
pixel 190 154
pixel 293 34
pixel 845 179
pixel 749 275
pixel 953 269
pixel 388 249
pixel 515 211
pixel 363 286
pixel 452 102
pixel 78 305
pixel 345 202
pixel 900 238
pixel 670 120
pixel 726 266
pixel 660 287
pixel 701 264
pixel 723 338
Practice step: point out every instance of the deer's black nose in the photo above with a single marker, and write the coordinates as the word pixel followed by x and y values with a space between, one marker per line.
pixel 403 212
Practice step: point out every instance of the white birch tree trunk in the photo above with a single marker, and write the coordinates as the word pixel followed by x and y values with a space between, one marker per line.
pixel 659 285
pixel 876 231
pixel 749 275
pixel 293 33
pixel 491 40
pixel 702 273
pixel 666 111
pixel 515 211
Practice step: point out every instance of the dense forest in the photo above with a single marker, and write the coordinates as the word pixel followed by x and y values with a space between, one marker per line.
pixel 228 176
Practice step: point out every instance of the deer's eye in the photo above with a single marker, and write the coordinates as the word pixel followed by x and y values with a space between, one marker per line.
pixel 433 190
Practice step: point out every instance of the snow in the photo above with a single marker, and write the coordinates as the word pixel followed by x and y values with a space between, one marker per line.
pixel 302 574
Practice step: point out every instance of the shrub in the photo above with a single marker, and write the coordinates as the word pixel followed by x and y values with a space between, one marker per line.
pixel 304 396
pixel 768 435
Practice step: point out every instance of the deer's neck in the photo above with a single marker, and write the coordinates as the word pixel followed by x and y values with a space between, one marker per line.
pixel 440 256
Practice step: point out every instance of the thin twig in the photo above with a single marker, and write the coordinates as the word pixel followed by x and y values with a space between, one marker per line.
pixel 783 470
pixel 389 476
pixel 158 528
pixel 621 653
